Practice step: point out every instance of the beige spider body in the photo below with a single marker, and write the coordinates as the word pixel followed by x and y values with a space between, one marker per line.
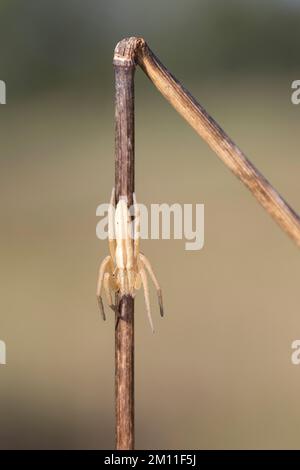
pixel 124 270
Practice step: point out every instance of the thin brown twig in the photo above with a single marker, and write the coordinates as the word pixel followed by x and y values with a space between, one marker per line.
pixel 124 185
pixel 136 50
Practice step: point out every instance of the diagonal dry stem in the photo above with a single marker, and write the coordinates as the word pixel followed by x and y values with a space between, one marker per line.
pixel 131 51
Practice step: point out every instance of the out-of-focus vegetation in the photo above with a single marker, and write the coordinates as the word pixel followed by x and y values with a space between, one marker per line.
pixel 58 42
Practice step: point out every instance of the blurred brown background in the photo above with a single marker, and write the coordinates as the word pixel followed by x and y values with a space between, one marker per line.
pixel 217 373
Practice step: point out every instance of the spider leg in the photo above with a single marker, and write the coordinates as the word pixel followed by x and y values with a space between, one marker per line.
pixel 111 225
pixel 145 262
pixel 123 258
pixel 102 270
pixel 109 288
pixel 129 250
pixel 137 281
pixel 146 295
pixel 137 225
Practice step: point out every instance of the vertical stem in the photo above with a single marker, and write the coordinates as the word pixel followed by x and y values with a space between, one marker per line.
pixel 124 184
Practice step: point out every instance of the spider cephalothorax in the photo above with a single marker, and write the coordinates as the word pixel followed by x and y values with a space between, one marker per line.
pixel 124 270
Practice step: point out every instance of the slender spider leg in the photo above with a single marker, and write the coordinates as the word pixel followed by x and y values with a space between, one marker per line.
pixel 129 250
pixel 118 315
pixel 121 224
pixel 146 295
pixel 109 287
pixel 102 271
pixel 137 226
pixel 145 262
pixel 111 225
pixel 137 282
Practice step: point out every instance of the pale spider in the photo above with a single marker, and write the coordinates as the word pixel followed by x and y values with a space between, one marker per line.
pixel 124 270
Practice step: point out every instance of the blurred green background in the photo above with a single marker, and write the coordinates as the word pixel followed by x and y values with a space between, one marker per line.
pixel 217 373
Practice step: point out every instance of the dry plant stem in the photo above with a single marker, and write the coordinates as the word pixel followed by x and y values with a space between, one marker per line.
pixel 128 53
pixel 136 50
pixel 124 184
